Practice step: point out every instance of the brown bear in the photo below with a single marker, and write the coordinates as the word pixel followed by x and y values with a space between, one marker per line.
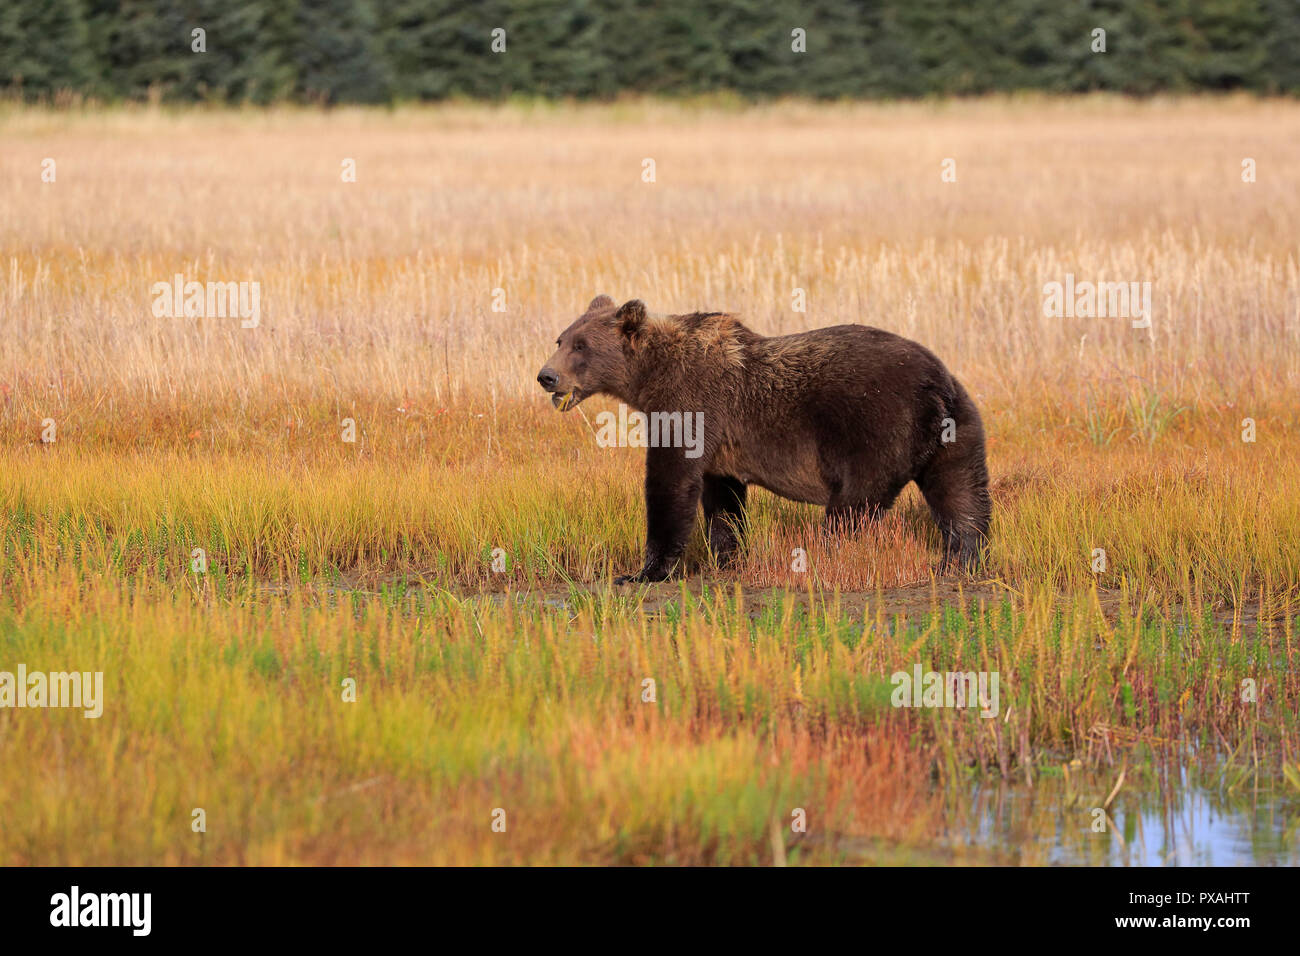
pixel 842 417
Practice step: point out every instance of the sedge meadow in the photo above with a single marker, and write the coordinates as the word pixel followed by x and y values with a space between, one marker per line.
pixel 181 510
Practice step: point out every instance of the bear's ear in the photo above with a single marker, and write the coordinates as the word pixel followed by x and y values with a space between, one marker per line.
pixel 600 302
pixel 630 317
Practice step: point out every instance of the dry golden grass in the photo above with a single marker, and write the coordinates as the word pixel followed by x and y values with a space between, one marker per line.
pixel 385 286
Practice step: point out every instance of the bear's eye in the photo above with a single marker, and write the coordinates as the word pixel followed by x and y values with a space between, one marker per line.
pixel 579 346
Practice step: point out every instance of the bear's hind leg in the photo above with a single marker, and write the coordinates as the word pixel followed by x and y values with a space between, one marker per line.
pixel 723 499
pixel 956 487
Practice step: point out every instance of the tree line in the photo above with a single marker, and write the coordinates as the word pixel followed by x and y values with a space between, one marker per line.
pixel 384 51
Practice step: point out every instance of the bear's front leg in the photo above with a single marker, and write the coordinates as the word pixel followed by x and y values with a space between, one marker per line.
pixel 672 495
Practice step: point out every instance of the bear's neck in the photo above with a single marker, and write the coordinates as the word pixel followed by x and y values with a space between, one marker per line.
pixel 676 369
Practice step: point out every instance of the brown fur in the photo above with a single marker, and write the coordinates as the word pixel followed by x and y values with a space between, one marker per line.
pixel 842 417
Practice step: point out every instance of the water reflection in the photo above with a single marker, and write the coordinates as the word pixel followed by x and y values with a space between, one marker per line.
pixel 1176 823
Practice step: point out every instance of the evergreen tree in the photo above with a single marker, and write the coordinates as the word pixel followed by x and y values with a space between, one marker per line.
pixel 45 47
pixel 336 54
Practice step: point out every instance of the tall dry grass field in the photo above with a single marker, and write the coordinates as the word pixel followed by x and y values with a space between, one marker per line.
pixel 419 302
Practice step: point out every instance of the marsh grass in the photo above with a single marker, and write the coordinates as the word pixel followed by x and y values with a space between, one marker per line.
pixel 521 688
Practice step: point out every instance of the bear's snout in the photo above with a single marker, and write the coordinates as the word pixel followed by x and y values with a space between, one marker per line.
pixel 548 379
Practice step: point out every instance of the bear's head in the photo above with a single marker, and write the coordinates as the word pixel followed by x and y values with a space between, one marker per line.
pixel 594 353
